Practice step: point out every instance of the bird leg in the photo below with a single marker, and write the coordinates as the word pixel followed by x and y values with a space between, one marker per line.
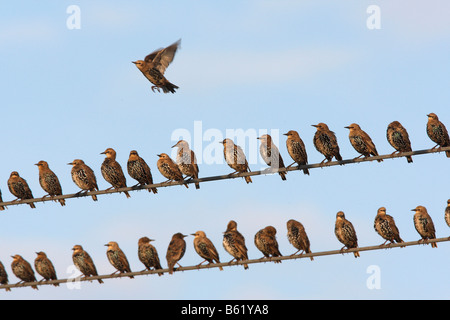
pixel 291 166
pixel 155 87
pixel 201 263
pixel 295 253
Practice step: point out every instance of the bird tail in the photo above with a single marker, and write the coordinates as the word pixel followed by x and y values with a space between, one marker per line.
pixel 94 197
pixel 62 201
pixel 35 287
pixel 169 87
pixel 283 175
pixel 356 254
pixel 32 205
pixel 8 289
pixel 245 266
pixel 197 185
pixel 2 208
pixel 154 190
pixel 447 153
pixel 127 194
pixel 309 251
pixel 248 179
pixel 409 158
pixel 100 281
pixel 433 245
pixel 338 157
pixel 56 284
pixel 306 171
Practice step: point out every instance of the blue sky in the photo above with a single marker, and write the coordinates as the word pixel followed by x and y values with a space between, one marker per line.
pixel 250 65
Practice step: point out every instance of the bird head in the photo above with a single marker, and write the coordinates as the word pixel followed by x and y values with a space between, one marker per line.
pixel 41 164
pixel 110 153
pixel 76 162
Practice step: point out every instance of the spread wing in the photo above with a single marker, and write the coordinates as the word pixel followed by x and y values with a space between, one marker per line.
pixel 161 58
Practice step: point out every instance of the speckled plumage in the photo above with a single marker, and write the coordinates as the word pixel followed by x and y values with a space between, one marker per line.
pixel 384 225
pixel 169 169
pixel 83 261
pixel 266 242
pixel 345 233
pixel 84 177
pixel 22 270
pixel 112 171
pixel 205 248
pixel 437 132
pixel 49 181
pixel 175 251
pixel 45 267
pixel 297 237
pixel 3 276
pixel 271 155
pixel 18 186
pixel 424 225
pixel 235 158
pixel 296 149
pixel 325 142
pixel 447 213
pixel 362 142
pixel 234 243
pixel 186 161
pixel 117 258
pixel 148 255
pixel 139 170
pixel 398 138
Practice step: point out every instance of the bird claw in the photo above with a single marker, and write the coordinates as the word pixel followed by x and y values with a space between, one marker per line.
pixel 155 87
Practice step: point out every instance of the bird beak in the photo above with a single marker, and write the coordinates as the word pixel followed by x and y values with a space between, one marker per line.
pixel 159 155
pixel 35 164
pixel 347 127
pixel 258 138
pixel 285 134
pixel 221 142
pixel 71 163
pixel 103 152
pixel 184 235
pixel 314 125
pixel 174 145
pixel 133 62
pixel 193 234
pixel 413 209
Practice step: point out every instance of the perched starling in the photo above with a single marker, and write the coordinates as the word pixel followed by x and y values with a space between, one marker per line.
pixel 148 255
pixel 297 237
pixel 271 155
pixel 117 258
pixel 19 188
pixel 1 200
pixel 234 243
pixel 362 142
pixel 235 158
pixel 112 171
pixel 326 143
pixel 175 251
pixel 49 181
pixel 385 226
pixel 22 270
pixel 84 177
pixel 424 225
pixel 186 161
pixel 205 248
pixel 266 242
pixel 346 233
pixel 83 261
pixel 154 66
pixel 3 276
pixel 437 132
pixel 169 169
pixel 45 267
pixel 398 138
pixel 296 149
pixel 139 170
pixel 447 213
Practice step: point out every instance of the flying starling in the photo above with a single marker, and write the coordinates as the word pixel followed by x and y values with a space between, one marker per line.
pixel 296 149
pixel 362 142
pixel 186 161
pixel 235 158
pixel 234 243
pixel 84 177
pixel 117 258
pixel 297 237
pixel 22 270
pixel 398 138
pixel 1 200
pixel 326 143
pixel 447 213
pixel 83 261
pixel 175 251
pixel 266 242
pixel 438 133
pixel 148 255
pixel 49 181
pixel 112 171
pixel 45 267
pixel 424 225
pixel 3 276
pixel 19 188
pixel 154 66
pixel 205 248
pixel 346 233
pixel 139 170
pixel 271 155
pixel 385 226
pixel 169 169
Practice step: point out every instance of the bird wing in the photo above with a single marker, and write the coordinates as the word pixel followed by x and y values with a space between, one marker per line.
pixel 162 58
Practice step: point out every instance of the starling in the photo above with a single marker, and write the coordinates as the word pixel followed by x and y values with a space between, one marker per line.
pixel 297 237
pixel 22 270
pixel 271 155
pixel 398 138
pixel 424 225
pixel 186 161
pixel 362 142
pixel 438 133
pixel 19 188
pixel 3 276
pixel 83 261
pixel 447 213
pixel 169 169
pixel 266 242
pixel 385 226
pixel 84 177
pixel 326 143
pixel 1 200
pixel 296 149
pixel 154 66
pixel 117 258
pixel 49 181
pixel 139 170
pixel 235 158
pixel 346 233
pixel 234 243
pixel 175 251
pixel 45 267
pixel 148 255
pixel 205 248
pixel 112 171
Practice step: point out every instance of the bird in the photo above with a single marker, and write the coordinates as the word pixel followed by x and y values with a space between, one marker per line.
pixel 1 200
pixel 266 242
pixel 296 149
pixel 325 142
pixel 438 133
pixel 45 267
pixel 362 142
pixel 169 169
pixel 117 258
pixel 18 186
pixel 148 254
pixel 155 64
pixel 205 248
pixel 84 177
pixel 112 171
pixel 271 155
pixel 424 225
pixel 22 270
pixel 3 276
pixel 447 213
pixel 139 170
pixel 175 251
pixel 398 138
pixel 83 261
pixel 345 232
pixel 234 243
pixel 186 161
pixel 49 181
pixel 384 225
pixel 297 237
pixel 235 158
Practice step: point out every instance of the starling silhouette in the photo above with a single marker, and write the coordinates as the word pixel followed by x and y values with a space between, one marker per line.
pixel 297 237
pixel 19 187
pixel 139 170
pixel 112 171
pixel 345 233
pixel 154 66
pixel 398 138
pixel 205 248
pixel 438 133
pixel 362 142
pixel 424 225
pixel 45 267
pixel 22 270
pixel 326 143
pixel 175 251
pixel 84 177
pixel 447 213
pixel 83 261
pixel 117 258
pixel 266 242
pixel 3 276
pixel 296 149
pixel 271 155
pixel 234 243
pixel 49 181
pixel 385 226
pixel 169 169
pixel 148 255
pixel 1 200
pixel 235 158
pixel 186 161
